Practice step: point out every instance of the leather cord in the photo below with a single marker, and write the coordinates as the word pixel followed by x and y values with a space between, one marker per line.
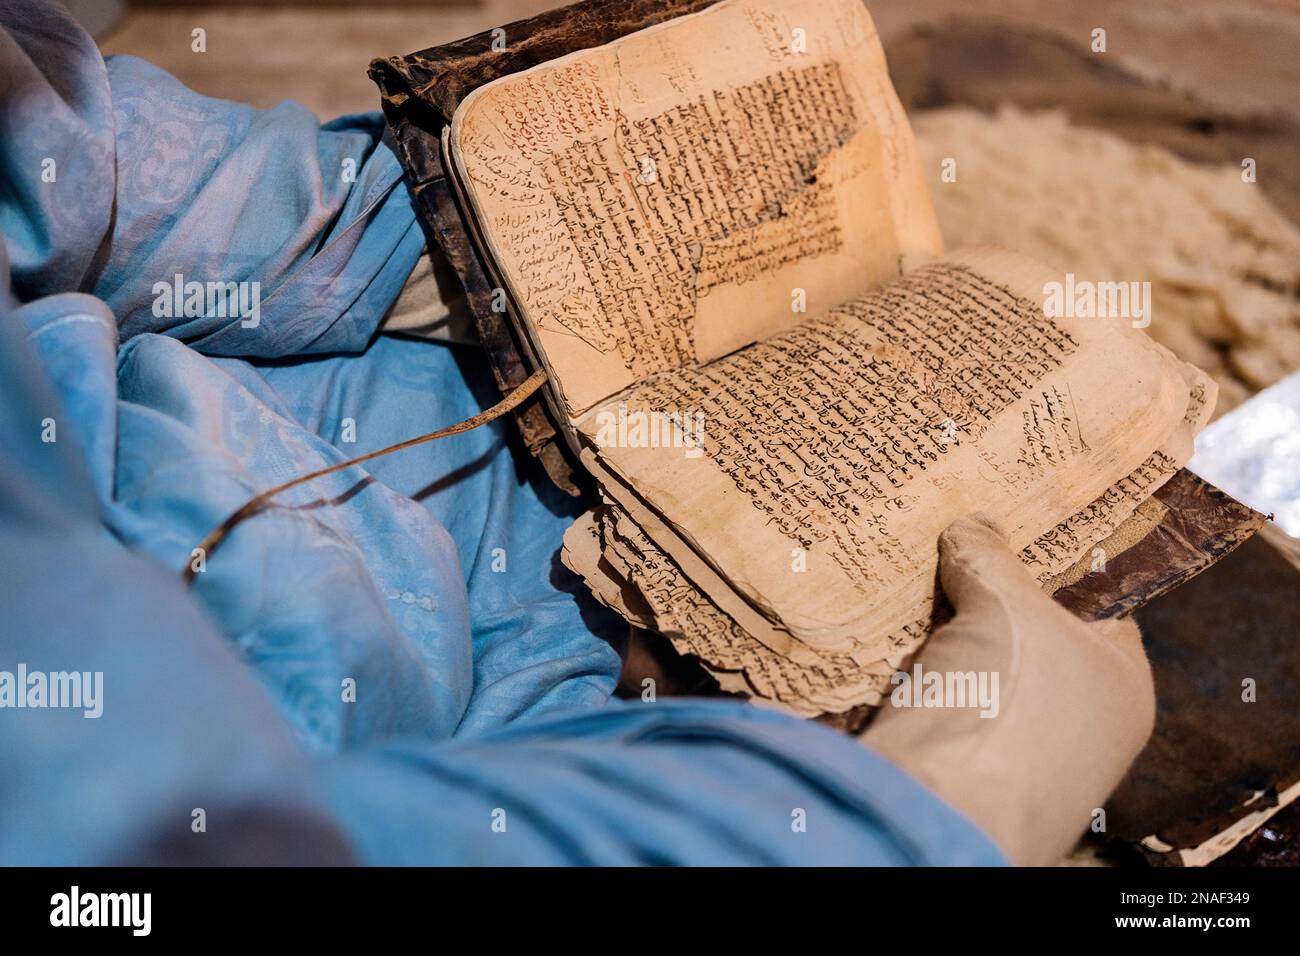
pixel 255 504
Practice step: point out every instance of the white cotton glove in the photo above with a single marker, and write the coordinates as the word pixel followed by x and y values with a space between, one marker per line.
pixel 1075 703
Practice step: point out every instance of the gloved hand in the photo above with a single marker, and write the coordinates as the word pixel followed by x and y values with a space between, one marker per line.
pixel 1075 703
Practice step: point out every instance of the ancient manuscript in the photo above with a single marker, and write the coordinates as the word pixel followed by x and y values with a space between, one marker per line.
pixel 715 235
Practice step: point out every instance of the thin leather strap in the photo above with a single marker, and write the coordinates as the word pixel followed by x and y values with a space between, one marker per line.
pixel 254 504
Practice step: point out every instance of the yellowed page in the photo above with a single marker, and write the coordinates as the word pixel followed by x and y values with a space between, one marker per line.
pixel 691 188
pixel 1056 550
pixel 624 567
pixel 834 454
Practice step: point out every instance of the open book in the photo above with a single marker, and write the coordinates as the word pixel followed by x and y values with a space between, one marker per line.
pixel 715 235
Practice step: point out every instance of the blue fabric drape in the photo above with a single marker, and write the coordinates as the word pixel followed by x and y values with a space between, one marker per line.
pixel 393 653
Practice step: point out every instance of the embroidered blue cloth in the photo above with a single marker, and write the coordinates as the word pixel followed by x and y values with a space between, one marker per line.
pixel 388 665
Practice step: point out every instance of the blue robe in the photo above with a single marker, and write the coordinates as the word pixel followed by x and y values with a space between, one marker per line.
pixel 389 665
